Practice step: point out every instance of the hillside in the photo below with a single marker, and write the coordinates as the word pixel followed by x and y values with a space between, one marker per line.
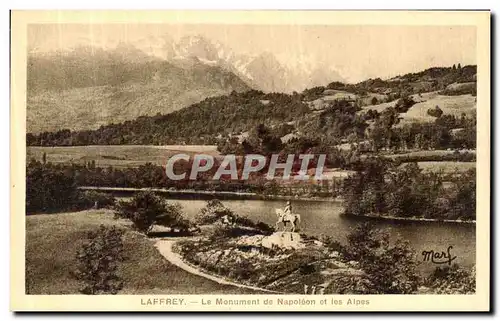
pixel 87 88
pixel 340 112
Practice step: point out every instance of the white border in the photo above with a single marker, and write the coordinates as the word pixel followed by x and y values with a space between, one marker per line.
pixel 188 4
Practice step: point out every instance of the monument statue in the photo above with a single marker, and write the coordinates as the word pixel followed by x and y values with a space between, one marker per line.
pixel 285 216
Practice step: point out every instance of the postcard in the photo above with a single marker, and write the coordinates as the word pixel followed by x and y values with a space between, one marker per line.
pixel 250 161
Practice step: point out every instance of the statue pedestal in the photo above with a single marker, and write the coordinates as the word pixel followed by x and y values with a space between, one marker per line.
pixel 283 240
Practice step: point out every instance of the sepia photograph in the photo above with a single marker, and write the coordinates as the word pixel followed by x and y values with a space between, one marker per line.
pixel 245 162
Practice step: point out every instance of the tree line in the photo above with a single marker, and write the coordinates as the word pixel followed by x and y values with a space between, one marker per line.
pixel 201 123
pixel 381 189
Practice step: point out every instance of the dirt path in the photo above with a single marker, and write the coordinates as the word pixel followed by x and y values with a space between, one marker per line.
pixel 164 246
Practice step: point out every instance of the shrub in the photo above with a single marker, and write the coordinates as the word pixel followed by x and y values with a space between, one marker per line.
pixel 306 269
pixel 436 112
pixel 350 284
pixel 452 280
pixel 333 245
pixel 98 261
pixel 404 104
pixel 265 228
pixel 215 211
pixel 224 232
pixel 391 269
pixel 147 209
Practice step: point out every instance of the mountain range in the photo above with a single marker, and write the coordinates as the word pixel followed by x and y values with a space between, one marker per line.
pixel 87 86
pixel 263 71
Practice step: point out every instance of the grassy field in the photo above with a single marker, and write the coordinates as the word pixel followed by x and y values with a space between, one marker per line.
pixel 451 105
pixel 116 155
pixel 429 153
pixel 447 167
pixel 379 107
pixel 436 166
pixel 53 239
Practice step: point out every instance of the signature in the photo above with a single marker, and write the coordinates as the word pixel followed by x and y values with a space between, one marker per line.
pixel 439 257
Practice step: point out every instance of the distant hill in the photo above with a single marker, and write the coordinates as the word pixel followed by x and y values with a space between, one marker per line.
pixel 337 112
pixel 89 87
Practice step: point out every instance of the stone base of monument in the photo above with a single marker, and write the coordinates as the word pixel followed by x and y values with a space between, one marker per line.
pixel 283 240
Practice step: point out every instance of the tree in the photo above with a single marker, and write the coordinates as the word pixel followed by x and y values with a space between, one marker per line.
pixel 98 261
pixel 463 196
pixel 374 100
pixel 390 268
pixel 48 188
pixel 364 191
pixel 147 209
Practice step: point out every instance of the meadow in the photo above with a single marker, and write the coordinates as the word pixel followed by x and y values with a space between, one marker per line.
pixel 446 167
pixel 429 153
pixel 52 241
pixel 450 105
pixel 116 155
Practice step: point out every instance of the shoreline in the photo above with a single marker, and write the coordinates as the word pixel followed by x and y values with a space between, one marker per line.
pixel 412 219
pixel 225 195
pixel 192 192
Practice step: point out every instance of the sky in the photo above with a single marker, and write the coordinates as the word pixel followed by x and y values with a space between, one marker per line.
pixel 357 52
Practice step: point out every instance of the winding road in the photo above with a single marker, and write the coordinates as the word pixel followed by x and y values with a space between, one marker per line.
pixel 164 246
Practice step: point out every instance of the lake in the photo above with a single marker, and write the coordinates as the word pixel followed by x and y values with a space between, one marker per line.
pixel 323 218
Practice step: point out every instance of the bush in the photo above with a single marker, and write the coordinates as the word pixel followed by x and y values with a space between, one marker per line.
pixel 147 209
pixel 436 112
pixel 390 269
pixel 404 104
pixel 224 232
pixel 215 211
pixel 98 261
pixel 350 284
pixel 452 280
pixel 333 245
